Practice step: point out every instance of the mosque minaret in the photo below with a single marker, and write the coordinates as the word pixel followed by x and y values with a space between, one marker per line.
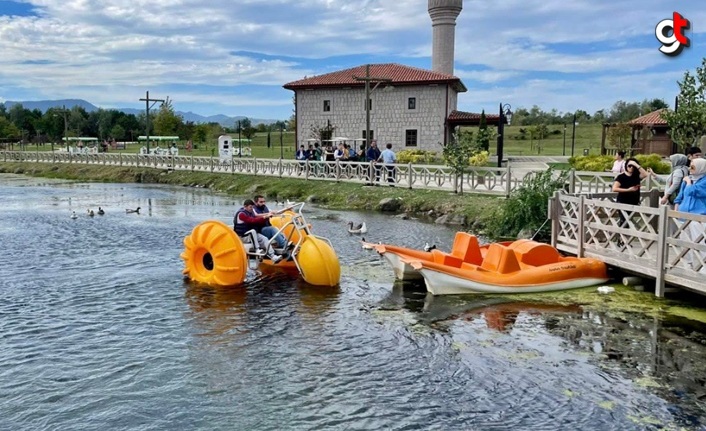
pixel 443 15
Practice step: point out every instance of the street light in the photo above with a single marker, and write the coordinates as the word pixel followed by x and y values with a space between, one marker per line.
pixel 281 146
pixel 240 144
pixel 505 115
pixel 563 149
pixel 573 136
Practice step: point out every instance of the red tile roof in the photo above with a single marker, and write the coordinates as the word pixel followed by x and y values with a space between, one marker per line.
pixel 399 74
pixel 651 119
pixel 461 118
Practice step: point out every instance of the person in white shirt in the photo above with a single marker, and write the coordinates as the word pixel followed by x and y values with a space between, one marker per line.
pixel 388 157
pixel 619 163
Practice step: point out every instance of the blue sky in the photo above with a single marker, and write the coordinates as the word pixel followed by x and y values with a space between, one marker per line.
pixel 232 57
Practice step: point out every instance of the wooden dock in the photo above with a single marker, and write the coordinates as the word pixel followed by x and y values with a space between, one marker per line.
pixel 655 242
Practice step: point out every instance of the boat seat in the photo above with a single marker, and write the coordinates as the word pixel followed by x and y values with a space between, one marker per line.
pixel 535 253
pixel 446 259
pixel 500 259
pixel 466 248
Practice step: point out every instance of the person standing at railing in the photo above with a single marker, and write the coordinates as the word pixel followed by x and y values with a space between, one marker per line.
pixel 389 158
pixel 679 172
pixel 692 199
pixel 372 156
pixel 627 185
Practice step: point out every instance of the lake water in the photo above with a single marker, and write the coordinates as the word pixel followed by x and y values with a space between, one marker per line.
pixel 98 330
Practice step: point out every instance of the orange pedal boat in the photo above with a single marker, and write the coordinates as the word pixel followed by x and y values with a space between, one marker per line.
pixel 510 267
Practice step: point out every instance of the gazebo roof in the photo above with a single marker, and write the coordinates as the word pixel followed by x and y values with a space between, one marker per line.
pixel 652 119
pixel 460 118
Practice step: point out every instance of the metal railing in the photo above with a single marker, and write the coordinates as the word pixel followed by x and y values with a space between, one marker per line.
pixel 488 180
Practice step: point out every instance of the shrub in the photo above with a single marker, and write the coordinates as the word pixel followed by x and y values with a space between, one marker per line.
pixel 597 163
pixel 416 156
pixel 526 208
pixel 591 163
pixel 655 162
pixel 479 158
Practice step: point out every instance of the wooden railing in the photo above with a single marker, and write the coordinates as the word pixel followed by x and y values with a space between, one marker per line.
pixel 496 181
pixel 655 241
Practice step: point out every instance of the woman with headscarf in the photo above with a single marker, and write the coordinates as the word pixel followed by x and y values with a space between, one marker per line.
pixel 692 199
pixel 679 171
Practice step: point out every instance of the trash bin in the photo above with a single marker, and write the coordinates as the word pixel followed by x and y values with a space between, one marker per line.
pixel 585 151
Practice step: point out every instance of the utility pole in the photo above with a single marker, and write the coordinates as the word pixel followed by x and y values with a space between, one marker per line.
pixel 63 111
pixel 147 101
pixel 368 79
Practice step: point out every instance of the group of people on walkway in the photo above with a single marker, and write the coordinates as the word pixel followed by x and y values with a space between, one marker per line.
pixel 685 191
pixel 346 153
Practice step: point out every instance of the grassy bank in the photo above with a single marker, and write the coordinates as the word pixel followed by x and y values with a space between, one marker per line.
pixel 423 203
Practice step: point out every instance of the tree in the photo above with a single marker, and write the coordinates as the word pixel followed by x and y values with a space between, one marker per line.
pixel 622 111
pixel 652 105
pixel 117 132
pixel 7 129
pixel 687 123
pixel 619 136
pixel 457 155
pixel 167 122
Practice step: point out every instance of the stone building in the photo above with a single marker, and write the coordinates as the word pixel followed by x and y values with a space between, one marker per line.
pixel 408 109
pixel 407 106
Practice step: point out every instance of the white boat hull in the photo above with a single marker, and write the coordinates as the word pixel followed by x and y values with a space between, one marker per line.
pixel 439 283
pixel 403 270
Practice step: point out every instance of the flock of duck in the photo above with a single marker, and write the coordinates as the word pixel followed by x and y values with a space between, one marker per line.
pixel 101 211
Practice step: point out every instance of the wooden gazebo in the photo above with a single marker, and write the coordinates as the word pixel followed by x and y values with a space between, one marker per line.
pixel 649 135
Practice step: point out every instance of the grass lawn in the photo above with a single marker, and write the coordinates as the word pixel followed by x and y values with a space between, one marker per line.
pixel 588 136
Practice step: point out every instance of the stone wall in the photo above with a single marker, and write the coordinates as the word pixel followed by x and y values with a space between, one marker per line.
pixel 390 117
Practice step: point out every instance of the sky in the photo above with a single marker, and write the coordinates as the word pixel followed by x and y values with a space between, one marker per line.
pixel 233 57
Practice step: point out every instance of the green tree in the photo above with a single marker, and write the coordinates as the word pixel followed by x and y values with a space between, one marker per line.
pixel 117 132
pixel 457 155
pixel 8 129
pixel 620 136
pixel 167 122
pixel 687 123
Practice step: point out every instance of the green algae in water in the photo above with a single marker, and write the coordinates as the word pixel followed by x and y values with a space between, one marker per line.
pixel 607 405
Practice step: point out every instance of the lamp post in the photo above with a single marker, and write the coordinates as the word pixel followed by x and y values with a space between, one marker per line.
pixel 240 143
pixel 147 101
pixel 563 149
pixel 281 145
pixel 368 91
pixel 505 114
pixel 573 136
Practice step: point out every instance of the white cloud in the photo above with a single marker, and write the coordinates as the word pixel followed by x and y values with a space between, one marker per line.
pixel 103 50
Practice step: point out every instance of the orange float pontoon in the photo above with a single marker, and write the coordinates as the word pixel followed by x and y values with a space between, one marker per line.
pixel 511 267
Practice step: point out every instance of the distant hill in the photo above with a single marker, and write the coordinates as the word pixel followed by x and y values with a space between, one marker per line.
pixel 44 105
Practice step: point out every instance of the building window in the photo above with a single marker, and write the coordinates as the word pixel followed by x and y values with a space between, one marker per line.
pixel 372 134
pixel 411 103
pixel 370 105
pixel 327 106
pixel 410 138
